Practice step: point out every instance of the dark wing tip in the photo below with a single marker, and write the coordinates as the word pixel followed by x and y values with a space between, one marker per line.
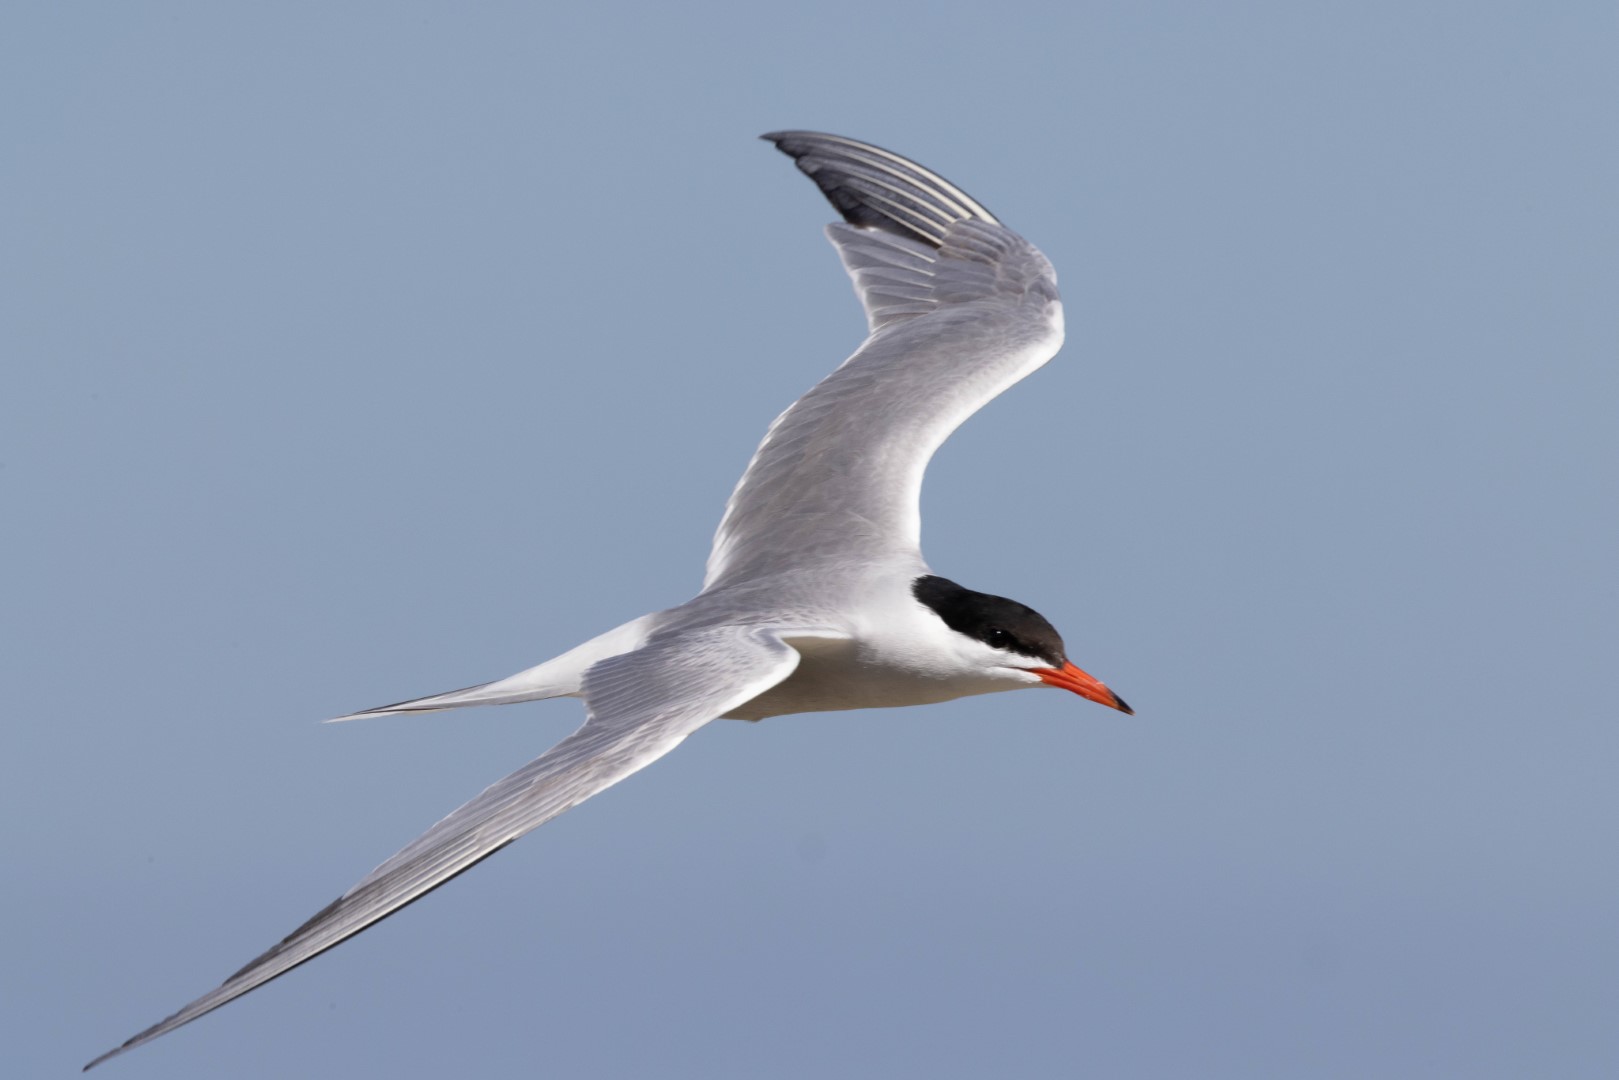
pixel 878 189
pixel 114 1052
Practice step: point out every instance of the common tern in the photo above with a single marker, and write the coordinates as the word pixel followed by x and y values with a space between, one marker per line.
pixel 816 595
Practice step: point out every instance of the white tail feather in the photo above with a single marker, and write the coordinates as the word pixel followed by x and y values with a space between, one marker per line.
pixel 558 677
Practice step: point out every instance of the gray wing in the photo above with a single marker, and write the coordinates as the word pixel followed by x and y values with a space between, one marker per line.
pixel 960 308
pixel 641 705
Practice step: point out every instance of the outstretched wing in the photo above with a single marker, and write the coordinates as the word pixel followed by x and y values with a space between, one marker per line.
pixel 960 308
pixel 641 705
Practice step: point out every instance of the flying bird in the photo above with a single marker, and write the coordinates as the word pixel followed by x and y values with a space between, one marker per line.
pixel 816 595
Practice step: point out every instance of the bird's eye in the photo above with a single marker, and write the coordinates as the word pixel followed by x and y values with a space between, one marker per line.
pixel 997 639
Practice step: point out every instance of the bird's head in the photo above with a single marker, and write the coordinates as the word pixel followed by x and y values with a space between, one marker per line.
pixel 1009 639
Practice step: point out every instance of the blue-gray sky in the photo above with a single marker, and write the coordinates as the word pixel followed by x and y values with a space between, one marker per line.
pixel 355 352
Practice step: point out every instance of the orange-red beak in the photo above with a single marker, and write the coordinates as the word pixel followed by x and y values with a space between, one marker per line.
pixel 1069 677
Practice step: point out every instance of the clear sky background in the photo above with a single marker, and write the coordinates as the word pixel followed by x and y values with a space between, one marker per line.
pixel 356 352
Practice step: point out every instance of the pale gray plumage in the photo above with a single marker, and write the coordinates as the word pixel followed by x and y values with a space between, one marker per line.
pixel 641 705
pixel 808 600
pixel 954 322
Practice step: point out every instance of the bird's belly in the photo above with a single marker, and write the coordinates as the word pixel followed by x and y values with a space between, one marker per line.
pixel 838 676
